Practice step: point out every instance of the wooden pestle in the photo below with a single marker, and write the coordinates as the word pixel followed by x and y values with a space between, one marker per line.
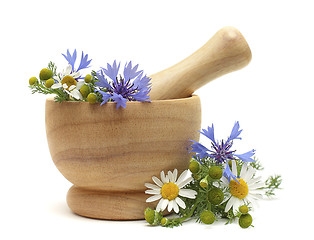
pixel 225 52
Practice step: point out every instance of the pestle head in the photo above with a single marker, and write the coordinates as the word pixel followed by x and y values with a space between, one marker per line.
pixel 225 52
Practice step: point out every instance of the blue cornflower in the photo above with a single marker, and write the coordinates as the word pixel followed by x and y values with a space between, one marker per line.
pixel 221 151
pixel 72 59
pixel 132 86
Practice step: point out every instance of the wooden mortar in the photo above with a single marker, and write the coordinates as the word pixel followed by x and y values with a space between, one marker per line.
pixel 109 154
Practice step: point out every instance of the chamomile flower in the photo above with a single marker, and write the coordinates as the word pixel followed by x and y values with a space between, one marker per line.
pixel 245 191
pixel 168 190
pixel 68 81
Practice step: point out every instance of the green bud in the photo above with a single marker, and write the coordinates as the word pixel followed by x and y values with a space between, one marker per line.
pixel 164 222
pixel 215 172
pixel 152 217
pixel 245 220
pixel 32 80
pixel 149 215
pixel 215 196
pixel 85 90
pixel 204 182
pixel 45 74
pixel 207 217
pixel 243 209
pixel 88 78
pixel 92 98
pixel 194 167
pixel 49 83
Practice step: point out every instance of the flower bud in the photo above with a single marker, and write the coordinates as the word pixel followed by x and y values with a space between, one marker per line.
pixel 243 209
pixel 245 220
pixel 45 74
pixel 215 172
pixel 152 217
pixel 49 83
pixel 164 222
pixel 194 167
pixel 207 217
pixel 92 98
pixel 204 182
pixel 215 196
pixel 32 80
pixel 85 90
pixel 149 215
pixel 88 78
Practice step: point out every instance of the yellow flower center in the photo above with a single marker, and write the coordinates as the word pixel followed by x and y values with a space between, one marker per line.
pixel 169 191
pixel 239 190
pixel 69 81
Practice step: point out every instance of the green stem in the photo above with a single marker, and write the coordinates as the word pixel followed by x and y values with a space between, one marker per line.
pixel 178 221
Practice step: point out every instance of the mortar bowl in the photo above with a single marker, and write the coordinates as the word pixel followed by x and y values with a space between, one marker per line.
pixel 108 154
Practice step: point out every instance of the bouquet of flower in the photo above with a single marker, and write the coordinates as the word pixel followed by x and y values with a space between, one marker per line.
pixel 222 184
pixel 71 85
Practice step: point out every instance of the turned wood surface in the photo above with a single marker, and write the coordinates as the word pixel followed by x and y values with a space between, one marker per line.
pixel 225 52
pixel 108 205
pixel 104 148
pixel 109 154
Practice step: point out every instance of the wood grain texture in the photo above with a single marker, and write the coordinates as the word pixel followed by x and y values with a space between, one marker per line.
pixel 108 205
pixel 225 52
pixel 115 151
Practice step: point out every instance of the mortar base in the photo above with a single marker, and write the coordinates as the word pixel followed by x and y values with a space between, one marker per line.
pixel 108 205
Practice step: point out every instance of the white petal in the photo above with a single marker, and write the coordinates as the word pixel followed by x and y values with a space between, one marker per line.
pixel 243 170
pixel 186 181
pixel 72 87
pixel 170 205
pixel 237 203
pixel 153 198
pixel 158 207
pixel 76 74
pixel 225 181
pixel 68 70
pixel 249 174
pixel 170 175
pixel 157 181
pixel 256 186
pixel 175 175
pixel 234 168
pixel 57 78
pixel 76 94
pixel 254 180
pixel 164 204
pixel 182 176
pixel 56 85
pixel 79 84
pixel 229 204
pixel 187 193
pixel 152 191
pixel 152 186
pixel 175 207
pixel 163 177
pixel 180 202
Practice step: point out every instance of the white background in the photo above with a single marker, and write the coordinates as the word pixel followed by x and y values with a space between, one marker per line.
pixel 272 98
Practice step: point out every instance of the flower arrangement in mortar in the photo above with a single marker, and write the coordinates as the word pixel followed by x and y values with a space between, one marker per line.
pixel 137 129
pixel 222 184
pixel 70 85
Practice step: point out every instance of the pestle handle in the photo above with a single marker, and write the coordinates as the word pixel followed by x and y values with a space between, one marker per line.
pixel 225 52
